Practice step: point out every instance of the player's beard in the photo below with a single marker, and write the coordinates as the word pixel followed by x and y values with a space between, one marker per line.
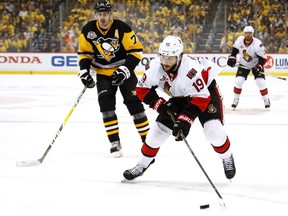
pixel 169 68
pixel 248 40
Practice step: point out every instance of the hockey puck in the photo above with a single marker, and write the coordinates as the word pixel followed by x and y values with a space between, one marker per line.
pixel 204 206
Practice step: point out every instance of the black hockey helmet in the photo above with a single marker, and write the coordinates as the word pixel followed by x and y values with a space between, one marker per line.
pixel 102 5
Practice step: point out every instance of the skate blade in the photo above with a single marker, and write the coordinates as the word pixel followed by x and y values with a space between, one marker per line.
pixel 126 181
pixel 117 154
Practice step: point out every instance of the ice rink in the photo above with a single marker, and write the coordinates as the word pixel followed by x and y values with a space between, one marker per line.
pixel 79 177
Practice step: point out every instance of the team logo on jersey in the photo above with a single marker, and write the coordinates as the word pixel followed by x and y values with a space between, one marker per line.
pixel 191 73
pixel 246 56
pixel 166 89
pixel 107 47
pixel 91 35
pixel 212 109
pixel 133 92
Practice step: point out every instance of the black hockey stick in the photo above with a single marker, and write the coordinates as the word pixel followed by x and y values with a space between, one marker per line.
pixel 282 78
pixel 221 201
pixel 28 163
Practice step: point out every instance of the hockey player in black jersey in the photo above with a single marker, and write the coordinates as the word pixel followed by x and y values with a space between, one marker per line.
pixel 111 48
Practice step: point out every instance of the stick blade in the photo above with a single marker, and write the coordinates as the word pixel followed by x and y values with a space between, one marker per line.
pixel 222 203
pixel 28 163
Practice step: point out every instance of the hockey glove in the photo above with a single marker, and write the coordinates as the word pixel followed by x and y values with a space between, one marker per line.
pixel 162 106
pixel 231 61
pixel 182 125
pixel 120 75
pixel 86 78
pixel 258 68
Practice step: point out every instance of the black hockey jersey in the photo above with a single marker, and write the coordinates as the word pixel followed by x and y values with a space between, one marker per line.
pixel 106 50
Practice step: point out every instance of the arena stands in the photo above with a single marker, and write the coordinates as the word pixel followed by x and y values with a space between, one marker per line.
pixel 21 23
pixel 204 25
pixel 266 16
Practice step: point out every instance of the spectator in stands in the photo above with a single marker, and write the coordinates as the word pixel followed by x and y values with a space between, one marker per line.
pixel 68 48
pixel 46 47
pixel 54 44
pixel 283 48
pixel 2 46
pixel 227 41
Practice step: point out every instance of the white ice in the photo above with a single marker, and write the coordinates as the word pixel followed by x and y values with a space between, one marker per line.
pixel 79 177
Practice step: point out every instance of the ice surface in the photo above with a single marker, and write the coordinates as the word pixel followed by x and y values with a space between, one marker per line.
pixel 79 177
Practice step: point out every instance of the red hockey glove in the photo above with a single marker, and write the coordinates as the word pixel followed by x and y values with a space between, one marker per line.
pixel 162 106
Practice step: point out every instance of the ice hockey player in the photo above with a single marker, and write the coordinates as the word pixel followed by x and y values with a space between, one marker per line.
pixel 111 48
pixel 193 92
pixel 252 56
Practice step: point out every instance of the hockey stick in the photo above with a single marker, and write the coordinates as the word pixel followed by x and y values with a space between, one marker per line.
pixel 28 163
pixel 281 78
pixel 221 201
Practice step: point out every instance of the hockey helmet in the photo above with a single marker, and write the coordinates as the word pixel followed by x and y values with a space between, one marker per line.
pixel 171 46
pixel 102 6
pixel 248 29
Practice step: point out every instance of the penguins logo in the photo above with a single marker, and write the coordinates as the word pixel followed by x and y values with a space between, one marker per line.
pixel 107 47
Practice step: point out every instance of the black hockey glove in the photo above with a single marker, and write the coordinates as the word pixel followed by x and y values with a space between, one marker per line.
pixel 231 61
pixel 258 68
pixel 86 78
pixel 183 125
pixel 120 75
pixel 162 106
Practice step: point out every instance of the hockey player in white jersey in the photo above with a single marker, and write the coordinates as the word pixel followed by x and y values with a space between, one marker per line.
pixel 192 91
pixel 252 56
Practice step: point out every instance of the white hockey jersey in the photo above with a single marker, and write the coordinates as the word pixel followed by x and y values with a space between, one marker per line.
pixel 192 79
pixel 248 54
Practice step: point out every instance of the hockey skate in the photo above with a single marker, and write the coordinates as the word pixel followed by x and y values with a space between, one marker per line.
pixel 235 103
pixel 115 149
pixel 136 171
pixel 229 167
pixel 267 103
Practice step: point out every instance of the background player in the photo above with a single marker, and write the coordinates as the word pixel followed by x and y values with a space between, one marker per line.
pixel 252 56
pixel 111 48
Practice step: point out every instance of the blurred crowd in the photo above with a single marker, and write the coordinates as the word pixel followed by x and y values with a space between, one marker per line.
pixel 22 21
pixel 151 20
pixel 266 16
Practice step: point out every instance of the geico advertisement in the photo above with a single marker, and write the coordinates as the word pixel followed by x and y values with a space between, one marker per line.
pixel 35 63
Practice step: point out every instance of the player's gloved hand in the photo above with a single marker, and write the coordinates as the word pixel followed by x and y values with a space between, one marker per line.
pixel 120 75
pixel 162 106
pixel 86 78
pixel 258 68
pixel 182 124
pixel 231 61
